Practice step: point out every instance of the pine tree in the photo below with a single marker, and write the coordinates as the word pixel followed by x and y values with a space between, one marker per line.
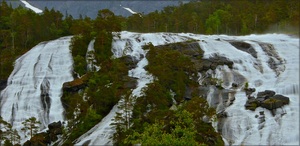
pixel 122 118
pixel 31 126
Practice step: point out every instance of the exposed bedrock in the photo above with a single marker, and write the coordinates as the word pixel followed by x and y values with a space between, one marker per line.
pixel 76 84
pixel 243 46
pixel 194 51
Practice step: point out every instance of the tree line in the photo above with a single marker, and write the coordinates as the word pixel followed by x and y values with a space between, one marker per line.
pixel 221 17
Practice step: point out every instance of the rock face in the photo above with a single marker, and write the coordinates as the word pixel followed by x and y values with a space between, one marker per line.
pixel 76 85
pixel 243 46
pixel 3 84
pixel 130 62
pixel 267 99
pixel 55 129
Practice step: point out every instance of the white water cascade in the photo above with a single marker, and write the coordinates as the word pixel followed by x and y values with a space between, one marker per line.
pixel 270 62
pixel 273 65
pixel 127 43
pixel 35 85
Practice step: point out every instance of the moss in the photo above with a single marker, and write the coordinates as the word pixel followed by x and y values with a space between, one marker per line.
pixel 271 101
pixel 253 106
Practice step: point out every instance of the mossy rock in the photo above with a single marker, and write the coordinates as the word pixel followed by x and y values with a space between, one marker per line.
pixel 274 102
pixel 252 104
pixel 76 84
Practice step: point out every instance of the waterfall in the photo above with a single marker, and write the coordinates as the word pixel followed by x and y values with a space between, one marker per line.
pixel 275 67
pixel 34 87
pixel 264 62
pixel 127 43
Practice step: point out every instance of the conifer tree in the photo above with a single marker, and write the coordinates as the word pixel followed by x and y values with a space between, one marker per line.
pixel 31 126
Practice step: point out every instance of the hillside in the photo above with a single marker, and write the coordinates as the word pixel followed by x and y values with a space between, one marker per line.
pixel 188 75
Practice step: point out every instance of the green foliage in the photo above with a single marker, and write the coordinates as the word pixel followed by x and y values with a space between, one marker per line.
pixel 80 65
pixel 153 121
pixel 221 17
pixel 182 132
pixel 172 68
pixel 7 134
pixel 246 85
pixel 21 29
pixel 31 126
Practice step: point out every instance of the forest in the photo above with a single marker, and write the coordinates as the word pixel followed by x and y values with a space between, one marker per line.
pixel 21 29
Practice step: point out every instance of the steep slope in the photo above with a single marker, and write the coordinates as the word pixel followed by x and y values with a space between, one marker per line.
pixel 268 62
pixel 35 85
pixel 263 62
pixel 127 43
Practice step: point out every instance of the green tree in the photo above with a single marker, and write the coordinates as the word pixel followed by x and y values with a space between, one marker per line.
pixel 182 132
pixel 122 118
pixel 4 129
pixel 31 126
pixel 7 134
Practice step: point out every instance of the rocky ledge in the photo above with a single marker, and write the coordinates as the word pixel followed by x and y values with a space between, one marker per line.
pixel 76 84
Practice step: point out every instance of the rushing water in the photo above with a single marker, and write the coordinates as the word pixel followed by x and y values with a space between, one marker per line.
pixel 35 85
pixel 265 62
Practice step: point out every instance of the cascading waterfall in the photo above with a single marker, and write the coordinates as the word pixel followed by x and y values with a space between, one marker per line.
pixel 276 67
pixel 90 57
pixel 127 43
pixel 265 62
pixel 35 85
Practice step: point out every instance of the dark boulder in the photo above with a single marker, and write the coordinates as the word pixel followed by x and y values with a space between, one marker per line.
pixel 284 99
pixel 234 85
pixel 55 129
pixel 249 91
pixel 267 99
pixel 265 94
pixel 252 104
pixel 274 102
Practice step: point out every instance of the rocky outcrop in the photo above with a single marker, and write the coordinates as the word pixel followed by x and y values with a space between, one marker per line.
pixel 128 83
pixel 76 85
pixel 267 99
pixel 274 102
pixel 194 51
pixel 212 63
pixel 129 61
pixel 55 129
pixel 3 84
pixel 243 46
